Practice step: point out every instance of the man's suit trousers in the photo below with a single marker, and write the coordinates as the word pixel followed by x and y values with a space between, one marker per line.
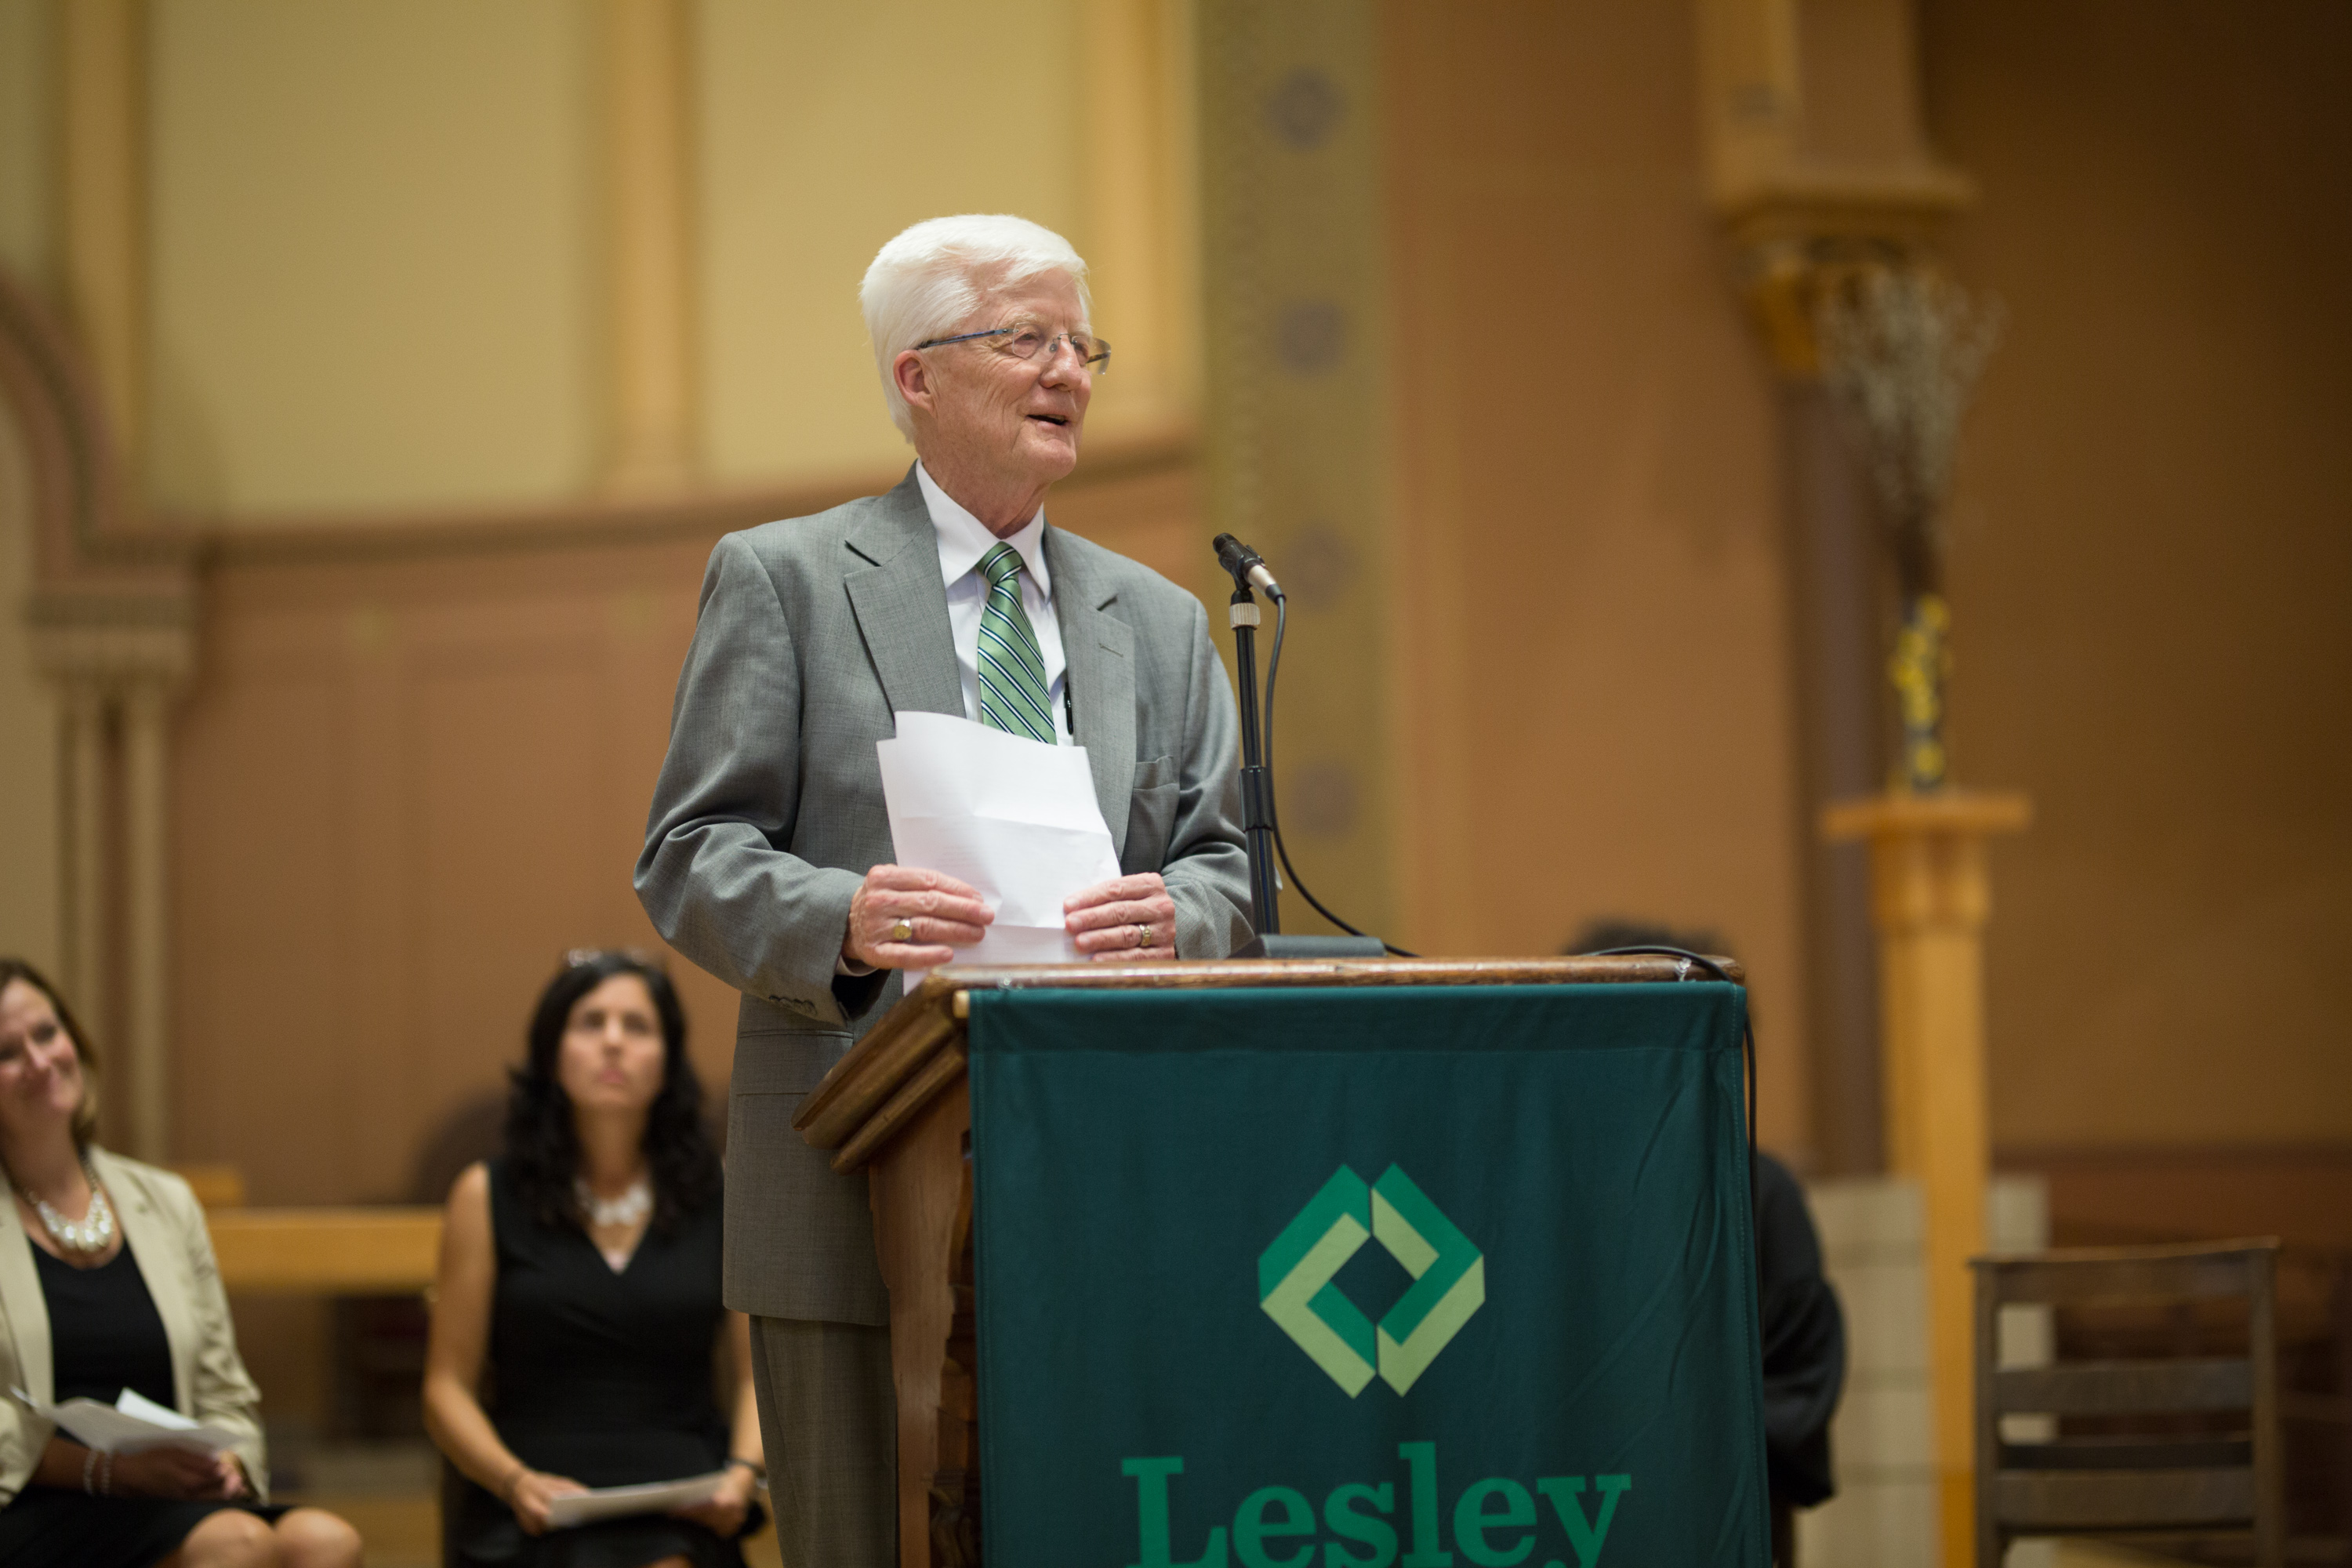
pixel 829 1416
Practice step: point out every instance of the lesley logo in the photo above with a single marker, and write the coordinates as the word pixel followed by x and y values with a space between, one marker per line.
pixel 1295 1281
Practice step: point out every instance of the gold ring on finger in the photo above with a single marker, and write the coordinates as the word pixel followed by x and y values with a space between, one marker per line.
pixel 902 930
pixel 1142 934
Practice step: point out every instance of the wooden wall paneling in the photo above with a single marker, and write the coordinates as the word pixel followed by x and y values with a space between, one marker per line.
pixel 2150 560
pixel 270 1024
pixel 408 789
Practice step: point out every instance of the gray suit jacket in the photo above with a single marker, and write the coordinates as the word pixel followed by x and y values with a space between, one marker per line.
pixel 812 634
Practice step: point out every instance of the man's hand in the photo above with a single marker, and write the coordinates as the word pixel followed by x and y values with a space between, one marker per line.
pixel 1124 919
pixel 938 913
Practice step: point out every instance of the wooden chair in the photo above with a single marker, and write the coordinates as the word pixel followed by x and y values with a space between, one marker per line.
pixel 2144 1485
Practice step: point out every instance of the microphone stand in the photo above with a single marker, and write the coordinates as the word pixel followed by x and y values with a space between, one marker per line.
pixel 1257 815
pixel 1257 785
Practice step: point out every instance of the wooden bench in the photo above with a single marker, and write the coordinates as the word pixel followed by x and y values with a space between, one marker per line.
pixel 327 1251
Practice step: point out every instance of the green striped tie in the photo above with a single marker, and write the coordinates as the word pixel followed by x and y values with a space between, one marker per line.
pixel 1012 693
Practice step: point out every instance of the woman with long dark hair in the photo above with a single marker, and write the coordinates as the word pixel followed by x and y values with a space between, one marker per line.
pixel 108 1284
pixel 578 1301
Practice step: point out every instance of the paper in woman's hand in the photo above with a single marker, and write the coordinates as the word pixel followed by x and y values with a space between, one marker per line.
pixel 619 1503
pixel 132 1425
pixel 1015 818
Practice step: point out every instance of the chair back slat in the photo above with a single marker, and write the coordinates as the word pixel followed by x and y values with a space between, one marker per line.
pixel 2123 1500
pixel 2120 1482
pixel 2126 1274
pixel 2129 1452
pixel 2124 1387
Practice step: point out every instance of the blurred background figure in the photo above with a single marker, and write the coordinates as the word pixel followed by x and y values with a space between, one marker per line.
pixel 580 1270
pixel 1804 1352
pixel 107 1285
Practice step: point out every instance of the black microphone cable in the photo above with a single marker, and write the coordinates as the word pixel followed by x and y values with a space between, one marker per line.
pixel 1273 812
pixel 1690 958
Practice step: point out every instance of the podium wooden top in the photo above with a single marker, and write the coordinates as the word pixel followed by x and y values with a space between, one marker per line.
pixel 918 1048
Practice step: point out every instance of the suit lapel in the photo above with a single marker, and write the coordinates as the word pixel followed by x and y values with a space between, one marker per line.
pixel 1099 652
pixel 27 1309
pixel 893 579
pixel 155 1242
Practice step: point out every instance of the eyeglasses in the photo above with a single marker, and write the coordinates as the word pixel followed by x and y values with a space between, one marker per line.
pixel 1026 342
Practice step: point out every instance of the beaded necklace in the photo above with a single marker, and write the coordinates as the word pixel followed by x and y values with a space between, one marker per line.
pixel 86 1238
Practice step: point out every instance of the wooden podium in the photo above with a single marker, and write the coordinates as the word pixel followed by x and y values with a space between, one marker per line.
pixel 898 1107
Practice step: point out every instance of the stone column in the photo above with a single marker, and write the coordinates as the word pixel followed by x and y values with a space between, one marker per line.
pixel 120 655
pixel 102 45
pixel 648 104
pixel 83 718
pixel 147 916
pixel 1930 895
pixel 1799 205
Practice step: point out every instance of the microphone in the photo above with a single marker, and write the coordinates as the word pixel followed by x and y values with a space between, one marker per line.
pixel 1246 565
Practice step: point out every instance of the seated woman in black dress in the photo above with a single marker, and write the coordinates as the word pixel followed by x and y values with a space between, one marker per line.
pixel 107 1283
pixel 581 1267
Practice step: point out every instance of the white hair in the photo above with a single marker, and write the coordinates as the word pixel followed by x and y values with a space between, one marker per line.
pixel 929 281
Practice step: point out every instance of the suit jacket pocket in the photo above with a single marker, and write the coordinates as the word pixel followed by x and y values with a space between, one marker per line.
pixel 1151 815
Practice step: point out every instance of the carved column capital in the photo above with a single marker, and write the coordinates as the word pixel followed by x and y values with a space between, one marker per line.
pixel 1803 194
pixel 115 639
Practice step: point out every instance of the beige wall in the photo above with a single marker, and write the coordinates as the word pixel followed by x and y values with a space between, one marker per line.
pixel 26 216
pixel 375 282
pixel 2154 559
pixel 825 131
pixel 1592 663
pixel 372 253
pixel 29 871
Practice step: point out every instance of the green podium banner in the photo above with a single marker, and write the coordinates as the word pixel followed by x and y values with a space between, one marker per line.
pixel 1366 1277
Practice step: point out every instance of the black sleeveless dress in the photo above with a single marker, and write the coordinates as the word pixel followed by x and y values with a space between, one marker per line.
pixel 105 1335
pixel 603 1377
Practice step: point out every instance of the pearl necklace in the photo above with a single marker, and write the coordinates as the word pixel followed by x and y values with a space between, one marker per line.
pixel 629 1209
pixel 95 1231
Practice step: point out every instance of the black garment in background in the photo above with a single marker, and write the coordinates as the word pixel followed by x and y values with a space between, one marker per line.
pixel 1804 1340
pixel 105 1335
pixel 603 1377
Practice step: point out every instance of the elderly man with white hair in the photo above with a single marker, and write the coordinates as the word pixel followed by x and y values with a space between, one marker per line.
pixel 768 855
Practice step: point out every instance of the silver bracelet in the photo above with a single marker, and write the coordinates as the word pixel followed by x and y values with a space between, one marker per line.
pixel 88 1466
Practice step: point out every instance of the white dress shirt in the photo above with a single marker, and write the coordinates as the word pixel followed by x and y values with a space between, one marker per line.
pixel 963 538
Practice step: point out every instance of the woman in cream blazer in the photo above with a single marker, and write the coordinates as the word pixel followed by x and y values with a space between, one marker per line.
pixel 60 1502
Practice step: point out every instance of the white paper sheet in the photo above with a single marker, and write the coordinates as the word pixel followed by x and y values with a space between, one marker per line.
pixel 615 1502
pixel 130 1426
pixel 1014 817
